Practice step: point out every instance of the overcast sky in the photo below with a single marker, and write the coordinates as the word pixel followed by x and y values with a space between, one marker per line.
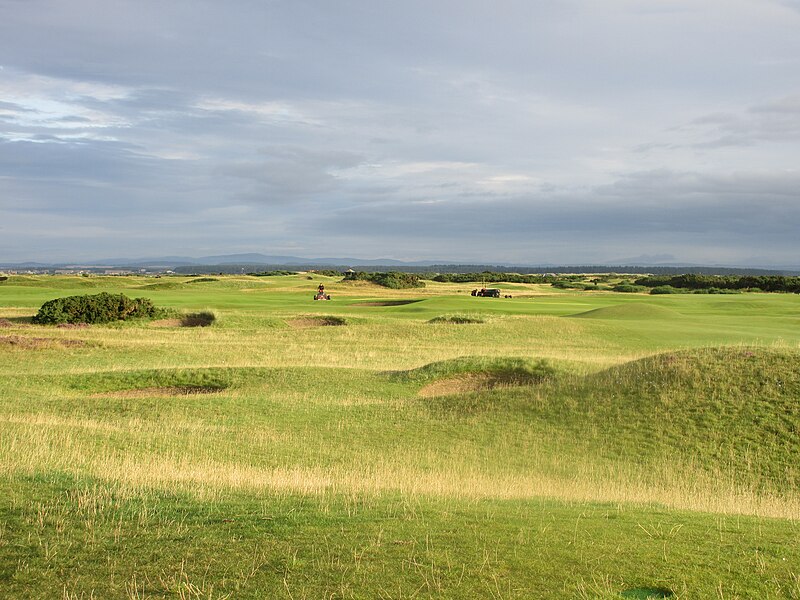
pixel 574 131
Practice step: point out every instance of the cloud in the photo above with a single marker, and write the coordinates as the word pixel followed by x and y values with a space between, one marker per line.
pixel 775 121
pixel 401 129
pixel 281 174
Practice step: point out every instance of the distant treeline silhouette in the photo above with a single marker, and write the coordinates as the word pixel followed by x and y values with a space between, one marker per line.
pixel 432 270
pixel 692 281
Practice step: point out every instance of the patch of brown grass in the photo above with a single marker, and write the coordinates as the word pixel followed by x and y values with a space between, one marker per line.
pixel 33 343
pixel 191 320
pixel 303 322
pixel 166 323
pixel 147 392
pixel 470 382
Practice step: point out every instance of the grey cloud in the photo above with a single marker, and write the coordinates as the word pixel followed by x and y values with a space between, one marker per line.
pixel 663 210
pixel 658 183
pixel 282 174
pixel 12 107
pixel 777 121
pixel 448 127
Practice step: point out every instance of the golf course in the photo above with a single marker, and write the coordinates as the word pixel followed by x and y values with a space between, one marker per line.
pixel 398 443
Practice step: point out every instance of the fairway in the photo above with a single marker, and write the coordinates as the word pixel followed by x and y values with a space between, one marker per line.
pixel 417 443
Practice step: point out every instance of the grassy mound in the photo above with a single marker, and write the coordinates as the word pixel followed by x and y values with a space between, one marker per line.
pixel 169 381
pixel 507 368
pixel 726 411
pixel 161 285
pixel 629 311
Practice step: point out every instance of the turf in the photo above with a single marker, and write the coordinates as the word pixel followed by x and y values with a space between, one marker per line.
pixel 636 445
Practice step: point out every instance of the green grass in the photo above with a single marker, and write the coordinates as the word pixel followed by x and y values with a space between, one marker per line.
pixel 614 443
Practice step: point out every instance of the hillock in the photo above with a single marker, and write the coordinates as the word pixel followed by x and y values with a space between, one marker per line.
pixel 730 412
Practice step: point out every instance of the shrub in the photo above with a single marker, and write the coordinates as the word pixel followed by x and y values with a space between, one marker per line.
pixel 98 308
pixel 393 279
pixel 665 289
pixel 628 288
pixel 563 284
pixel 277 273
pixel 493 277
pixel 328 272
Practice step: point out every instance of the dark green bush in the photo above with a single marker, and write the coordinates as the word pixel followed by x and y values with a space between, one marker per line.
pixel 694 281
pixel 628 288
pixel 563 284
pixel 328 272
pixel 98 308
pixel 277 273
pixel 393 279
pixel 493 277
pixel 665 289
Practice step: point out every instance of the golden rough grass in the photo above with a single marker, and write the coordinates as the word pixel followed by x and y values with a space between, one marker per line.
pixel 45 443
pixel 166 323
pixel 161 391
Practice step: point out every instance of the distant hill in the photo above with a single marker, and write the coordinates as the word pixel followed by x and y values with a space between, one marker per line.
pixel 247 262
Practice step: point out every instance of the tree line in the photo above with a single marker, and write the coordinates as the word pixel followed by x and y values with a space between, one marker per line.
pixel 694 281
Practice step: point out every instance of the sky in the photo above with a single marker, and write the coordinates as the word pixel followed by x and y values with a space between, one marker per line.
pixel 511 131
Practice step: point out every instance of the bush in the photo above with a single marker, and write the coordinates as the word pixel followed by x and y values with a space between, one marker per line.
pixel 328 272
pixel 665 289
pixel 493 277
pixel 277 273
pixel 628 288
pixel 393 279
pixel 99 308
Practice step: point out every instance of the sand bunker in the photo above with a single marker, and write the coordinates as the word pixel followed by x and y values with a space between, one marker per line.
pixel 302 322
pixel 469 382
pixel 201 319
pixel 190 320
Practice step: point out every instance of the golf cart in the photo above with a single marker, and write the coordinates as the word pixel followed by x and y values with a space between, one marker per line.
pixel 487 292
